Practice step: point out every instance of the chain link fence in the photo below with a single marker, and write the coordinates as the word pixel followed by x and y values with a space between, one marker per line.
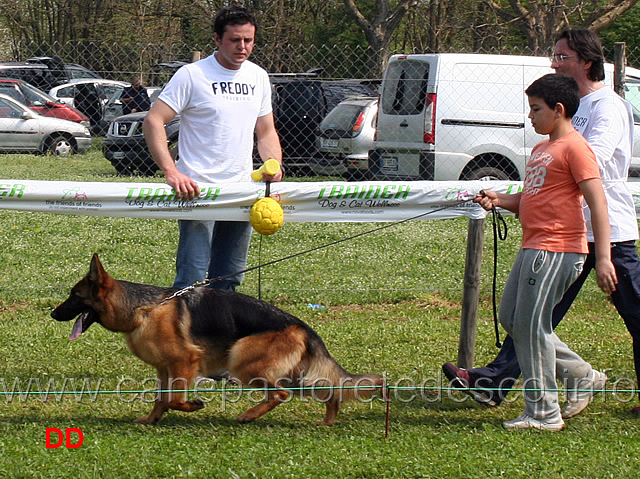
pixel 462 119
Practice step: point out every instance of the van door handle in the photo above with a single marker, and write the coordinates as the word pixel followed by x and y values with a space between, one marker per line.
pixel 404 124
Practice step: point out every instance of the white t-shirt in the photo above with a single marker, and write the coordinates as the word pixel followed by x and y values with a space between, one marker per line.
pixel 606 121
pixel 218 110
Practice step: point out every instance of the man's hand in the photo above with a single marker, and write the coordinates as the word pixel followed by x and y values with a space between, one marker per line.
pixel 606 276
pixel 185 187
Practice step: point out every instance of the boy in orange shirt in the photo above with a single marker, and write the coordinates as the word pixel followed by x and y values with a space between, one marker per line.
pixel 561 171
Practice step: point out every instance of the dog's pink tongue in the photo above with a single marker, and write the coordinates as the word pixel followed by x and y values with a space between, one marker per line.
pixel 77 327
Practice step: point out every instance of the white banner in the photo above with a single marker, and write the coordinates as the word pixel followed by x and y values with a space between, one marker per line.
pixel 370 201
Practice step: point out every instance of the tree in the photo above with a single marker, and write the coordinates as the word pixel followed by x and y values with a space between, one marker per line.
pixel 380 29
pixel 540 21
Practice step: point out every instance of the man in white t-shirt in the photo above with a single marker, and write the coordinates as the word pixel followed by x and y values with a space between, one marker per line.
pixel 606 121
pixel 222 101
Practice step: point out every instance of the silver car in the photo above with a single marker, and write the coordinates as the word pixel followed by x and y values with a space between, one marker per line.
pixel 67 93
pixel 23 130
pixel 345 137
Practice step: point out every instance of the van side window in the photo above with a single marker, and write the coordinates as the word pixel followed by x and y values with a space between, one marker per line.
pixel 407 81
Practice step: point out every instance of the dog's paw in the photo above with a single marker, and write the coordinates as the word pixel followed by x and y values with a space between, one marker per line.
pixel 245 418
pixel 195 404
pixel 324 422
pixel 145 420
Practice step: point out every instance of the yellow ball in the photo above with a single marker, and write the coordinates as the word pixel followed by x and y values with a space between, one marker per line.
pixel 266 216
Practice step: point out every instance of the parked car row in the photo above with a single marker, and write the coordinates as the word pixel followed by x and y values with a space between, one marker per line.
pixel 435 117
pixel 45 72
pixel 40 102
pixel 300 103
pixel 95 99
pixel 24 130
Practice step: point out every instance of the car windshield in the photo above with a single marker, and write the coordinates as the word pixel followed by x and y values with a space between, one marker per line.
pixel 36 97
pixel 341 118
pixel 9 109
pixel 25 93
pixel 112 90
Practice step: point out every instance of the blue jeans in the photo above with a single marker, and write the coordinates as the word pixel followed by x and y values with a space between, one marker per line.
pixel 504 370
pixel 212 249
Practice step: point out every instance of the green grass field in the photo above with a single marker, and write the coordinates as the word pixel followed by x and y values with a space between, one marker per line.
pixel 393 300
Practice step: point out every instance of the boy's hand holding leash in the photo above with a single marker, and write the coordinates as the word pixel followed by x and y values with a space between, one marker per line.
pixel 487 199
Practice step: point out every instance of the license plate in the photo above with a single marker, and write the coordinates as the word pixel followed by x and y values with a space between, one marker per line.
pixel 118 155
pixel 389 164
pixel 328 143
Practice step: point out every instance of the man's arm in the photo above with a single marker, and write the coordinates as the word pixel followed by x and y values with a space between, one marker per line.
pixel 607 125
pixel 269 143
pixel 594 196
pixel 156 138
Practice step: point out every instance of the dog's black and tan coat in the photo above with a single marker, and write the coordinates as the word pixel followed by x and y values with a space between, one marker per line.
pixel 208 331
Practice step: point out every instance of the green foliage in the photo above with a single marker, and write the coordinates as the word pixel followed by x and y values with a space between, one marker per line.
pixel 625 28
pixel 394 300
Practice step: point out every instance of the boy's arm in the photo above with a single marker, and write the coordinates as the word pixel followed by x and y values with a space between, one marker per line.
pixel 493 198
pixel 594 196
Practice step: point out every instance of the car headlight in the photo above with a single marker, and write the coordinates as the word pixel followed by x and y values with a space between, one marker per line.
pixel 86 131
pixel 85 123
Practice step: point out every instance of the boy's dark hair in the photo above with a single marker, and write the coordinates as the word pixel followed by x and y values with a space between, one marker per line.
pixel 589 49
pixel 233 15
pixel 556 88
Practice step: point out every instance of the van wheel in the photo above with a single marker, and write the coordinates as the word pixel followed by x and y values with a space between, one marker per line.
pixel 486 174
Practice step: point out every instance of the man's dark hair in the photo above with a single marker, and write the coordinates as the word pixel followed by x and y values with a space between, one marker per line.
pixel 556 88
pixel 589 49
pixel 233 15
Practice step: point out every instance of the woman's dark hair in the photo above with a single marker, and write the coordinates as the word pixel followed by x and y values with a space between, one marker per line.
pixel 589 49
pixel 233 15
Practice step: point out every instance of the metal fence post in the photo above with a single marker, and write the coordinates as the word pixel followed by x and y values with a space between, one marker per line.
pixel 470 295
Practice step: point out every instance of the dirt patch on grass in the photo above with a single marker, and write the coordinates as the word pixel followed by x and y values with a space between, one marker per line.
pixel 12 307
pixel 395 311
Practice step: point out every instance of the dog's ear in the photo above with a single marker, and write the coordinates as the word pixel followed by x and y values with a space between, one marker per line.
pixel 96 271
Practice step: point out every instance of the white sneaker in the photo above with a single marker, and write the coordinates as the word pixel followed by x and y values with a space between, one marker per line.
pixel 587 388
pixel 528 422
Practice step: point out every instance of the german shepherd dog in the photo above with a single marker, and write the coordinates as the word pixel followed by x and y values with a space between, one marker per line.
pixel 207 331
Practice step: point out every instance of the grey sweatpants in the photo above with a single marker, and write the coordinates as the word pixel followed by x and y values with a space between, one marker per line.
pixel 536 283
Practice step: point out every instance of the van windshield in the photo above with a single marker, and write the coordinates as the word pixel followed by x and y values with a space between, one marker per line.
pixel 405 88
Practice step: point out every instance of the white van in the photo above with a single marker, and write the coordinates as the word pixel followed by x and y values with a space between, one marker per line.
pixel 456 116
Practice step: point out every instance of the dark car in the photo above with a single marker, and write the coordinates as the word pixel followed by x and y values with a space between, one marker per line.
pixel 45 72
pixel 299 105
pixel 40 102
pixel 125 147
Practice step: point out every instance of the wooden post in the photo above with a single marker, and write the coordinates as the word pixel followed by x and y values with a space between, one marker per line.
pixel 195 56
pixel 470 295
pixel 619 61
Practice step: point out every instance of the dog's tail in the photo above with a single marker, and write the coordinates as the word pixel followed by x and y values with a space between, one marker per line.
pixel 326 380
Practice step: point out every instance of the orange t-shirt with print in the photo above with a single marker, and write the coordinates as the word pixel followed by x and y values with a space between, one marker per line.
pixel 551 205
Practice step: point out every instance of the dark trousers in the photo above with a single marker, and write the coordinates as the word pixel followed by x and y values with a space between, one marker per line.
pixel 504 370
